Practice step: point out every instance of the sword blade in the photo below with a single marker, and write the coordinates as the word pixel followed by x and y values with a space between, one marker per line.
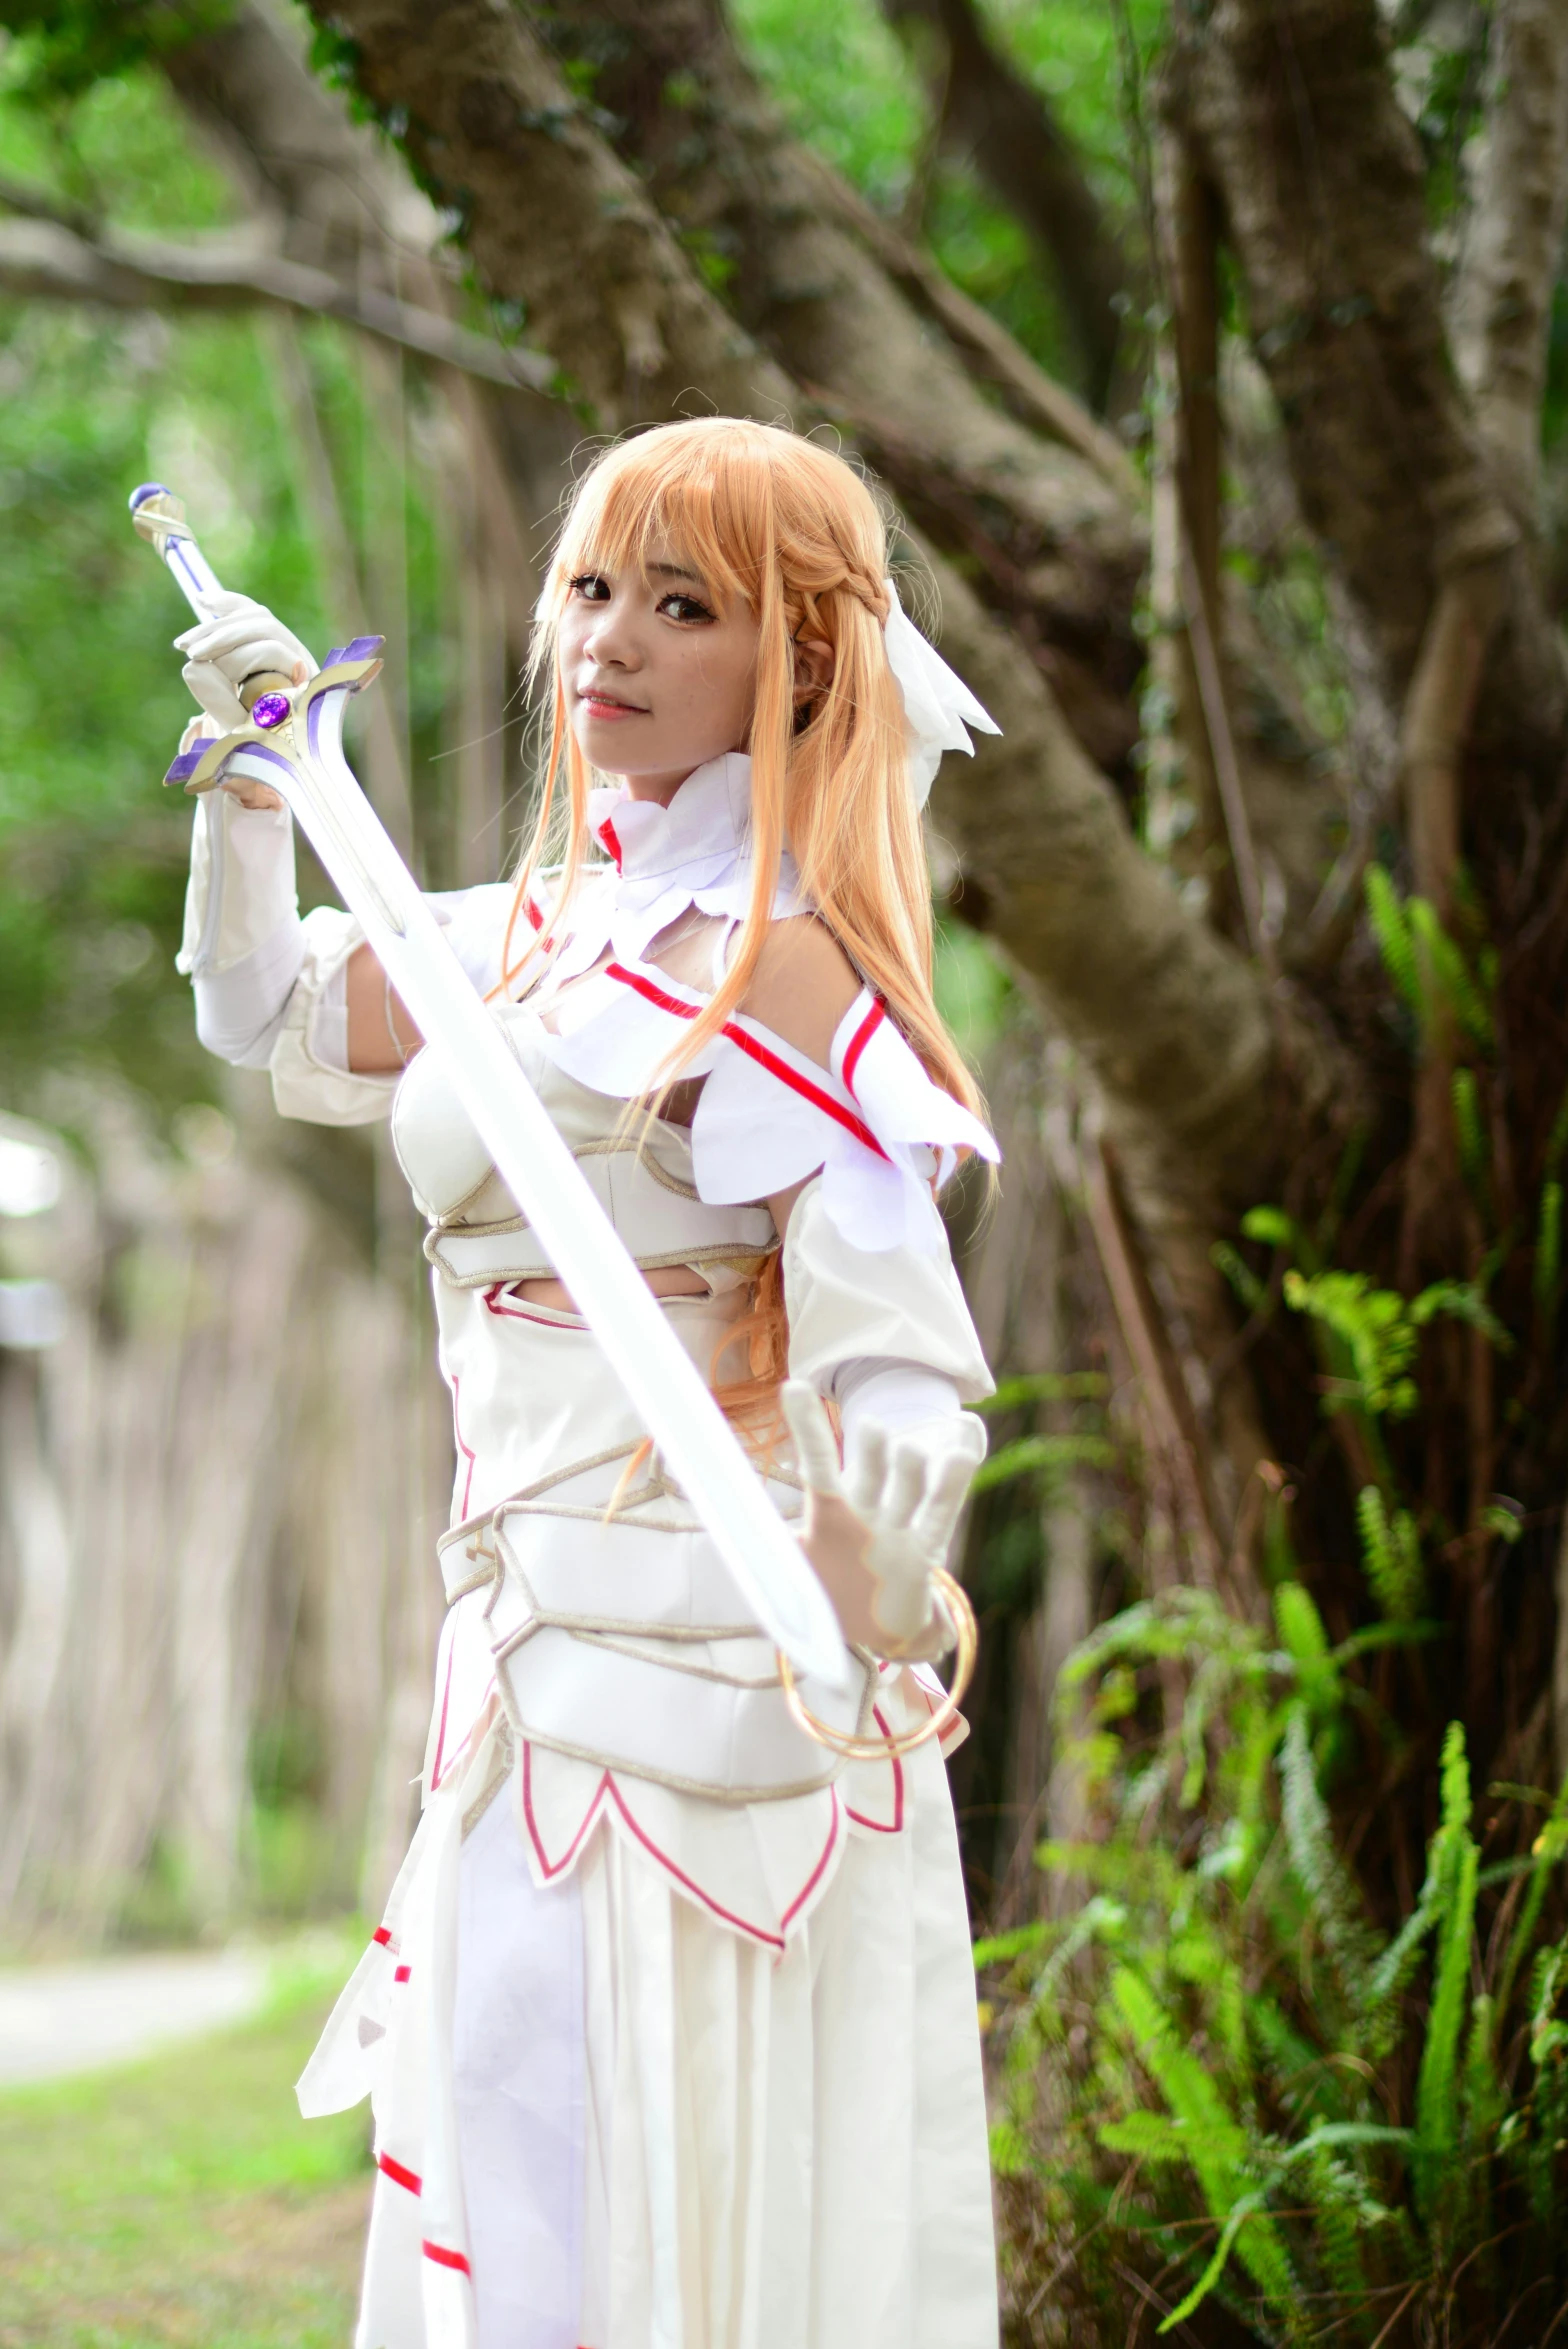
pixel 673 1401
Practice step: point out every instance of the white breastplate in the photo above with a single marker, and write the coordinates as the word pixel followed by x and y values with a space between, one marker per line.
pixel 639 1169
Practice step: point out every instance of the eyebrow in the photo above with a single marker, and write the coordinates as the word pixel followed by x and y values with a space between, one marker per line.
pixel 675 571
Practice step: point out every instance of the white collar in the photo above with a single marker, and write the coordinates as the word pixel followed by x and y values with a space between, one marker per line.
pixel 707 820
pixel 694 852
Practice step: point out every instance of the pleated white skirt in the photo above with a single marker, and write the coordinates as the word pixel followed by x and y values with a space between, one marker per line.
pixel 671 2137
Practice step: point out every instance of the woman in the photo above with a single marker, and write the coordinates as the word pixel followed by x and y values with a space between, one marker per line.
pixel 670 2026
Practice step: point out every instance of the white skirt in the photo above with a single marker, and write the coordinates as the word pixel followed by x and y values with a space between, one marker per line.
pixel 646 2131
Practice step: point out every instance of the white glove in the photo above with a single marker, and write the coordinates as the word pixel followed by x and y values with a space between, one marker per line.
pixel 888 1514
pixel 240 639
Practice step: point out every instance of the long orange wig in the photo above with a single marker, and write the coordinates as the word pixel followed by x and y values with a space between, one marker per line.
pixel 793 530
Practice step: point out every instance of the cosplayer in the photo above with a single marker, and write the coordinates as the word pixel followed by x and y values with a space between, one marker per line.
pixel 670 2026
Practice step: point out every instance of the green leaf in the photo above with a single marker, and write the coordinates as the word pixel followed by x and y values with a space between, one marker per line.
pixel 1392 933
pixel 1272 1228
pixel 1391 1555
pixel 1048 1454
pixel 1437 2086
pixel 1246 2208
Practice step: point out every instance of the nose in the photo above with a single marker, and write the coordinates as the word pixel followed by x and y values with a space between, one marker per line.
pixel 610 639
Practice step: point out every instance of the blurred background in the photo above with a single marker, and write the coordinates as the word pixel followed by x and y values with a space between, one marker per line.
pixel 1217 361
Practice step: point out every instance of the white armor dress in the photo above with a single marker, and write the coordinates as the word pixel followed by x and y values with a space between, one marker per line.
pixel 670 2025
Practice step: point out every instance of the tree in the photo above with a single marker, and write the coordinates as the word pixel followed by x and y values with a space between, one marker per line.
pixel 1272 848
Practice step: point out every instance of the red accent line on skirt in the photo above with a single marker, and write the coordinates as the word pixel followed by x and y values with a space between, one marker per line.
pixel 410 2180
pixel 812 1881
pixel 401 1973
pixel 383 1935
pixel 754 1050
pixel 608 1788
pixel 445 2258
pixel 858 1042
pixel 876 1825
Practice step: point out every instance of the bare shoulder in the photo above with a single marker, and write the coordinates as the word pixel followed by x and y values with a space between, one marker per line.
pixel 803 985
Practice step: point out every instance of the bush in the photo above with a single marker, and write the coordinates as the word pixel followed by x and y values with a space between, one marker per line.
pixel 1235 2110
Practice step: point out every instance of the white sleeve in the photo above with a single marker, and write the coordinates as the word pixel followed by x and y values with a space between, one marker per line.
pixel 243 942
pixel 892 1395
pixel 850 1306
pixel 311 1077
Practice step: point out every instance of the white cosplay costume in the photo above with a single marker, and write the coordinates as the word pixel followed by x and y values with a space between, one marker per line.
pixel 670 2024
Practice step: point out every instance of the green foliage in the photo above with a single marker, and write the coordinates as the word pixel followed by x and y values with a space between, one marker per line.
pixel 1427 965
pixel 1391 1556
pixel 68 46
pixel 1225 2083
pixel 92 850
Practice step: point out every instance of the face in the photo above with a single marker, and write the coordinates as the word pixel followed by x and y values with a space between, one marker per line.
pixel 658 677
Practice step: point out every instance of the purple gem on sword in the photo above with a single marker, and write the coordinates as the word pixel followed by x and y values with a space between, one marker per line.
pixel 269 709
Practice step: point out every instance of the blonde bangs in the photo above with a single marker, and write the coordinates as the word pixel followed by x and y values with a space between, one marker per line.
pixel 792 529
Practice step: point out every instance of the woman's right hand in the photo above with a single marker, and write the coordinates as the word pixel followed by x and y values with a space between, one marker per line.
pixel 240 639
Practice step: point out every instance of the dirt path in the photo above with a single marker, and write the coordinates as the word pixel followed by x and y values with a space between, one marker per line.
pixel 56 2020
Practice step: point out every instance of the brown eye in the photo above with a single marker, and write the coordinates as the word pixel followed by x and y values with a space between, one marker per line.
pixel 684 607
pixel 591 588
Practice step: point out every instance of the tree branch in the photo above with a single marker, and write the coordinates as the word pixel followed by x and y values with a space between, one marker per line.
pixel 1173 1019
pixel 714 154
pixel 1513 243
pixel 1018 148
pixel 44 259
pixel 1292 110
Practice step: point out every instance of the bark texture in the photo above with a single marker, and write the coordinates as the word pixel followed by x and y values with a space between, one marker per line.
pixel 1179 1031
pixel 1292 111
pixel 1513 242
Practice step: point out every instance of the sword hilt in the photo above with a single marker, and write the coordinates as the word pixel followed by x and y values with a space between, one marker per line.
pixel 158 516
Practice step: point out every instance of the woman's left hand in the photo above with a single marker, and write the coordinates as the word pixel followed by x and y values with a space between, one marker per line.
pixel 878 1526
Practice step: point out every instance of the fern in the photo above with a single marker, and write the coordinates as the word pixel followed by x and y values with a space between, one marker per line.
pixel 1217 2144
pixel 1450 986
pixel 1391 1554
pixel 1468 1128
pixel 1048 1455
pixel 1335 1901
pixel 1437 2095
pixel 1392 933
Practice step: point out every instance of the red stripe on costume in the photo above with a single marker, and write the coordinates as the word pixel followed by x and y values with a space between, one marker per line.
pixel 608 1790
pixel 858 1042
pixel 518 1311
pixel 401 1973
pixel 533 913
pixel 409 2179
pixel 754 1050
pixel 876 1825
pixel 612 840
pixel 382 1935
pixel 815 1878
pixel 445 2258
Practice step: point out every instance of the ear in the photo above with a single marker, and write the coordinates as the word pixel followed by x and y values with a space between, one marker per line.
pixel 813 669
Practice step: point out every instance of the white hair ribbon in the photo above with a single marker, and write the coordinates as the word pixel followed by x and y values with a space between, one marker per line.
pixel 938 706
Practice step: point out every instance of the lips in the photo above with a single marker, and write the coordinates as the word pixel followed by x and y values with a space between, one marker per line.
pixel 609 705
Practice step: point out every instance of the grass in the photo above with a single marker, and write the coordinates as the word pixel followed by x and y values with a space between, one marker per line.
pixel 184 2201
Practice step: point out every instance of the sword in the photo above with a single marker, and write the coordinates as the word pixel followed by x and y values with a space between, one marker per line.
pixel 294 741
